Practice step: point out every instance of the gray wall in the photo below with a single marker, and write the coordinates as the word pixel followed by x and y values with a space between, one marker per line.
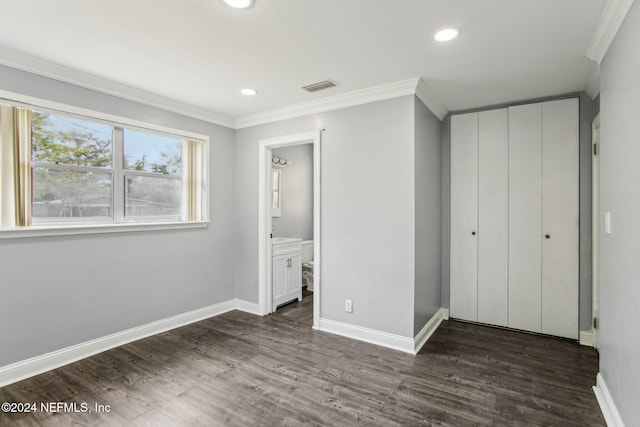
pixel 428 216
pixel 61 291
pixel 619 342
pixel 586 117
pixel 296 193
pixel 367 209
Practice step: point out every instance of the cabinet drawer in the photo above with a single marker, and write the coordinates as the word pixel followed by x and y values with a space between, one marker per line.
pixel 286 248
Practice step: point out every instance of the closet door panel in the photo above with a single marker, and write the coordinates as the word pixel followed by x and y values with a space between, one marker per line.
pixel 464 214
pixel 560 218
pixel 525 217
pixel 493 216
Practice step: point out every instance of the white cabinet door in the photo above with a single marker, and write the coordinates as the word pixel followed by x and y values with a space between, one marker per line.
pixel 294 277
pixel 493 216
pixel 287 277
pixel 279 274
pixel 560 217
pixel 525 216
pixel 464 217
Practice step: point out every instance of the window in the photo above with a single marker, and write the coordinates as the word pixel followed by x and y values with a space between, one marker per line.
pixel 72 162
pixel 64 169
pixel 152 174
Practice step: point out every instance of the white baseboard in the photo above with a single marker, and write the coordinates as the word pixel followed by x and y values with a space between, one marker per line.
pixel 372 336
pixel 386 339
pixel 607 406
pixel 247 306
pixel 587 338
pixel 36 365
pixel 425 333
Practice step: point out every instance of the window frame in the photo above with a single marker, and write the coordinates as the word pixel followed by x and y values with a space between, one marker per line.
pixel 117 222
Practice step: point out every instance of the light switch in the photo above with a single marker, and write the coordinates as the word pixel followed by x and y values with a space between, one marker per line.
pixel 607 222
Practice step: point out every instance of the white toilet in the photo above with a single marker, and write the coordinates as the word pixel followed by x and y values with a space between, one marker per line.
pixel 307 264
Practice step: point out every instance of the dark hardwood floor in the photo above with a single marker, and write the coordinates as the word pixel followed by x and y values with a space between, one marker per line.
pixel 238 369
pixel 301 312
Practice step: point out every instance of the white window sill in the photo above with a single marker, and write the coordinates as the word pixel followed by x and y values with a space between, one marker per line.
pixel 78 229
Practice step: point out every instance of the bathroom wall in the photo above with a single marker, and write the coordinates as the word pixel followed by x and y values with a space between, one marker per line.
pixel 61 291
pixel 367 211
pixel 428 215
pixel 296 193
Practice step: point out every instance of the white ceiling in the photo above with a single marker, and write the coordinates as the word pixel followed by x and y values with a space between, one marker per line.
pixel 199 53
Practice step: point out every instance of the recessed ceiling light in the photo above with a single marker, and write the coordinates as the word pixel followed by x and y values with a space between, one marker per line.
pixel 248 92
pixel 446 35
pixel 238 4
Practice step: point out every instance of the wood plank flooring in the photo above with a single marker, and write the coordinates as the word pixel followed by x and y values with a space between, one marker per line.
pixel 301 312
pixel 238 369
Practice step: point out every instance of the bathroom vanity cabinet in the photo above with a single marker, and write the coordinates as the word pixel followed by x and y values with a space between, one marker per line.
pixel 286 270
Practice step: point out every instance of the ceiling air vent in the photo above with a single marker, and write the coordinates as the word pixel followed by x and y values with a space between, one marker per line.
pixel 325 84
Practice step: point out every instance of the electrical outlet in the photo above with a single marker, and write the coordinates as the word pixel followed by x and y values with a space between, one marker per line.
pixel 348 306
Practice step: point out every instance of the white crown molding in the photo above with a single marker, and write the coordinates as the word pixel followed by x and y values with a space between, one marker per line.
pixel 430 99
pixel 349 99
pixel 31 64
pixel 610 22
pixel 415 86
pixel 607 405
pixel 593 83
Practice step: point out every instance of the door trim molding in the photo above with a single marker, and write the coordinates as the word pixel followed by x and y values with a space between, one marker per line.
pixel 595 225
pixel 265 285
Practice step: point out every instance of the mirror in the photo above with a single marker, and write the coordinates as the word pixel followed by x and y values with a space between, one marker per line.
pixel 276 179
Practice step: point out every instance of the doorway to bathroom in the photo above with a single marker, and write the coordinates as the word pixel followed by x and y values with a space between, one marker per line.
pixel 270 205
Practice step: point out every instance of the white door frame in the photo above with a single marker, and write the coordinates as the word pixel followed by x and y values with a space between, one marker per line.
pixel 265 293
pixel 595 226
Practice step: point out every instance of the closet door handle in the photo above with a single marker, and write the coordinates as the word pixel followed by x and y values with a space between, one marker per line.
pixel 547 236
pixel 473 233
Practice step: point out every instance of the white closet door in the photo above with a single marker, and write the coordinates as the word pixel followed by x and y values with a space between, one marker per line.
pixel 560 186
pixel 464 217
pixel 525 216
pixel 493 216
